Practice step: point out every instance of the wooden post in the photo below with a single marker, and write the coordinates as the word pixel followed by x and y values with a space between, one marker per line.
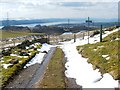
pixel 83 35
pixel 101 34
pixel 14 42
pixel 48 39
pixel 74 37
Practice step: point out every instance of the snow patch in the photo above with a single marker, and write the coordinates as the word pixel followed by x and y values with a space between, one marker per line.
pixel 95 49
pixel 39 57
pixel 105 56
pixel 67 33
pixel 1 61
pixel 13 55
pixel 6 65
pixel 100 46
pixel 117 39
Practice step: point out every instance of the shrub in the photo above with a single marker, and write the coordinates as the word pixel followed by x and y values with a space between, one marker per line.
pixel 6 52
pixel 24 44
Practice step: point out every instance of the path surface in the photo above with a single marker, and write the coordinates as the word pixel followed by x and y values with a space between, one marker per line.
pixel 29 77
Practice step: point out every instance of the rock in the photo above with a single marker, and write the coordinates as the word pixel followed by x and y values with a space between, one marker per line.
pixel 80 50
pixel 24 54
pixel 35 48
pixel 14 61
pixel 45 52
pixel 10 66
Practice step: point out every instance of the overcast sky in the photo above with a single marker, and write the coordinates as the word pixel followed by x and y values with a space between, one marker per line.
pixel 39 9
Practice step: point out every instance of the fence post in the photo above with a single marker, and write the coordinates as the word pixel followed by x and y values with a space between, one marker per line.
pixel 74 37
pixel 101 34
pixel 83 35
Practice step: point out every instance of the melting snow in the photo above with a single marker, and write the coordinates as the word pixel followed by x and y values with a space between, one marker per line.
pixel 1 61
pixel 95 49
pixel 6 65
pixel 78 67
pixel 117 39
pixel 39 57
pixel 107 58
pixel 9 45
pixel 67 33
pixel 104 56
pixel 13 55
pixel 100 46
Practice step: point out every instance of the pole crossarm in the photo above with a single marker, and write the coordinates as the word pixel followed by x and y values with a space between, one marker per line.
pixel 88 21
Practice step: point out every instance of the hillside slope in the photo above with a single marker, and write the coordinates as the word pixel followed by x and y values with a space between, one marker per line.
pixel 104 56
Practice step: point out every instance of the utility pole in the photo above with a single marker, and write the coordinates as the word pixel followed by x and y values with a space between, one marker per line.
pixel 48 38
pixel 101 34
pixel 68 24
pixel 88 22
pixel 83 35
pixel 7 22
pixel 74 37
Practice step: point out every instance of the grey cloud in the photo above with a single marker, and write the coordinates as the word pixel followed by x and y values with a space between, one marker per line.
pixel 77 4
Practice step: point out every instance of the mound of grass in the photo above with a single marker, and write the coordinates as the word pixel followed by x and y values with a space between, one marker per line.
pixel 104 55
pixel 112 36
pixel 54 76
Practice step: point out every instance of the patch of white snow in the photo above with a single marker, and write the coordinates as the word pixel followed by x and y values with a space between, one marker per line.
pixel 39 57
pixel 6 65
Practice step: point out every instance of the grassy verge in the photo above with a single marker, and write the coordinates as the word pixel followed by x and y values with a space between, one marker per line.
pixel 13 34
pixel 8 74
pixel 103 56
pixel 54 76
pixel 17 63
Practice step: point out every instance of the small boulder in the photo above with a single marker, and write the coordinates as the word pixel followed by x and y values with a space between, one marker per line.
pixel 24 54
pixel 13 61
pixel 45 52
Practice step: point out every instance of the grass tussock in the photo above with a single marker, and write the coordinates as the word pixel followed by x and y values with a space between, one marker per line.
pixel 54 76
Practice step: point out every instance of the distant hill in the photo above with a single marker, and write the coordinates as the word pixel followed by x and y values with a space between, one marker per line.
pixel 16 28
pixel 49 20
pixel 48 29
pixel 60 28
pixel 20 22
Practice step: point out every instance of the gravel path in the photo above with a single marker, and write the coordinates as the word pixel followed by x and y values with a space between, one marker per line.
pixel 24 77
